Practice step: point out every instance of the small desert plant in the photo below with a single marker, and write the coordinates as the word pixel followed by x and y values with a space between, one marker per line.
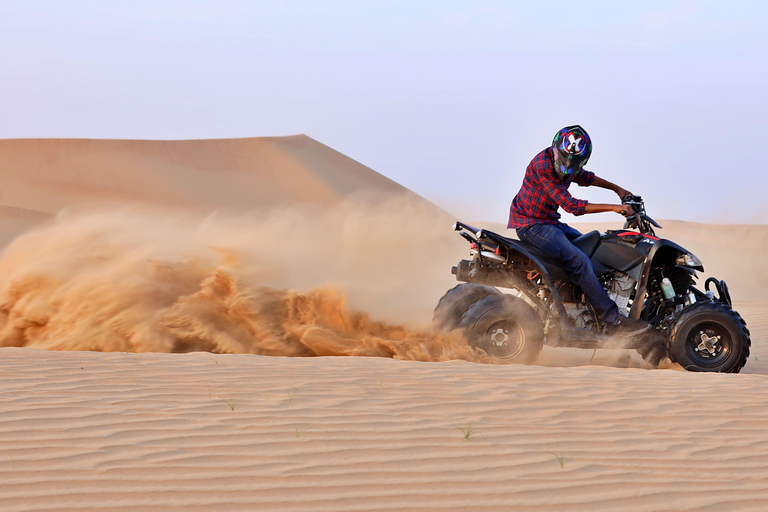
pixel 468 431
pixel 230 403
pixel 560 458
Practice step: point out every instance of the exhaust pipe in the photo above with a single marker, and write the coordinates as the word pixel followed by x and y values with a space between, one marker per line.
pixel 493 256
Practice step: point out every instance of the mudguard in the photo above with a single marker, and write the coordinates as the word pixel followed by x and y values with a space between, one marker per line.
pixel 514 253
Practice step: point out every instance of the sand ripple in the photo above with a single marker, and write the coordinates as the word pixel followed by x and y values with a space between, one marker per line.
pixel 123 431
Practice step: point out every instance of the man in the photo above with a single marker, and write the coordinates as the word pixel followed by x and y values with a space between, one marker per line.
pixel 534 214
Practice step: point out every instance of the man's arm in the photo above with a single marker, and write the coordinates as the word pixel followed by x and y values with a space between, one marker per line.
pixel 559 194
pixel 623 209
pixel 600 182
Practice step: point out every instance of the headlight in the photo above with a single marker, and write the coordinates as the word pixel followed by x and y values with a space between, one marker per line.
pixel 689 260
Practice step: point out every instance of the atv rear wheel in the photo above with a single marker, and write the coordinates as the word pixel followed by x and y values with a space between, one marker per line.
pixel 504 326
pixel 710 337
pixel 456 302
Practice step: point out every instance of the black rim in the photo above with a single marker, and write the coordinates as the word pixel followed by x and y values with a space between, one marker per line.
pixel 709 344
pixel 503 339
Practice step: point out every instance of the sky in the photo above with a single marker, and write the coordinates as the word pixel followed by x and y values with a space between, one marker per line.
pixel 451 99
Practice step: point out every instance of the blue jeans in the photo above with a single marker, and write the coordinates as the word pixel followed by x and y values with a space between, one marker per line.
pixel 555 240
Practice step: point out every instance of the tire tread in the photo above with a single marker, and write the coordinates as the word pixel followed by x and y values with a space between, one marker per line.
pixel 716 307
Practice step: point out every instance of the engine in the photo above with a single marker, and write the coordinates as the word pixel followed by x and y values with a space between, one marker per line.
pixel 620 288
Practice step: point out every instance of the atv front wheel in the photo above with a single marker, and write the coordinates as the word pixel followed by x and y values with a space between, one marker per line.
pixel 710 337
pixel 456 302
pixel 504 326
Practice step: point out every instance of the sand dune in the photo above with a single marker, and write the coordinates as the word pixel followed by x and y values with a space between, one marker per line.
pixel 50 174
pixel 47 175
pixel 95 431
pixel 284 247
pixel 15 221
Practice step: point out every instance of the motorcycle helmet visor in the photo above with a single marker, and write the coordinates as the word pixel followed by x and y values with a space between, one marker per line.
pixel 568 164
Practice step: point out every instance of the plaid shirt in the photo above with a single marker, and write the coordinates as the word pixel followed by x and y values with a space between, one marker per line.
pixel 542 192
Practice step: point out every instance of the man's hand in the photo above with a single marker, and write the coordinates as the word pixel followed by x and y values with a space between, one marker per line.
pixel 625 210
pixel 622 192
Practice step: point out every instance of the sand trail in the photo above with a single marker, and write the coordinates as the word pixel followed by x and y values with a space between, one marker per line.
pixel 358 279
pixel 295 281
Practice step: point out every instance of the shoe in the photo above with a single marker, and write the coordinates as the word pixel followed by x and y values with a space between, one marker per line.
pixel 629 327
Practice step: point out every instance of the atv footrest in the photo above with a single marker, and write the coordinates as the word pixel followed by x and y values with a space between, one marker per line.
pixel 579 338
pixel 585 338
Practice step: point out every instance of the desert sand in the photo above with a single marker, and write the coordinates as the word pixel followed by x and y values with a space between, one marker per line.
pixel 151 293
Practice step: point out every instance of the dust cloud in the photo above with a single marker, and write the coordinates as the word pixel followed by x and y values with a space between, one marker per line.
pixel 359 279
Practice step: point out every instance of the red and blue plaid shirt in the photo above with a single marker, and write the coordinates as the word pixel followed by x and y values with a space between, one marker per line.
pixel 543 192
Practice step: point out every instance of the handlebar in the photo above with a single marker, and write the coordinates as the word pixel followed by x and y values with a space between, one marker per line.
pixel 640 220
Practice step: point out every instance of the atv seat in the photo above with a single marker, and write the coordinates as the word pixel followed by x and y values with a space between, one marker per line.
pixel 588 242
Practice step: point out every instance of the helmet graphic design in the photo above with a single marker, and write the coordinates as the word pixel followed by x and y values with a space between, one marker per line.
pixel 572 148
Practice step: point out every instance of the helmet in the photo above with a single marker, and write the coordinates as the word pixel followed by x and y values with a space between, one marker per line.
pixel 571 148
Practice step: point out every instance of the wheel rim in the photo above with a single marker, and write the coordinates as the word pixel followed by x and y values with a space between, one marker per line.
pixel 504 339
pixel 708 344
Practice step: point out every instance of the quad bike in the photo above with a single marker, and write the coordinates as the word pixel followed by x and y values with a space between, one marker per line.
pixel 648 277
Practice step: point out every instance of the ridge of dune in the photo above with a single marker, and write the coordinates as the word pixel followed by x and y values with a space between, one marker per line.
pixel 15 221
pixel 42 177
pixel 50 174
